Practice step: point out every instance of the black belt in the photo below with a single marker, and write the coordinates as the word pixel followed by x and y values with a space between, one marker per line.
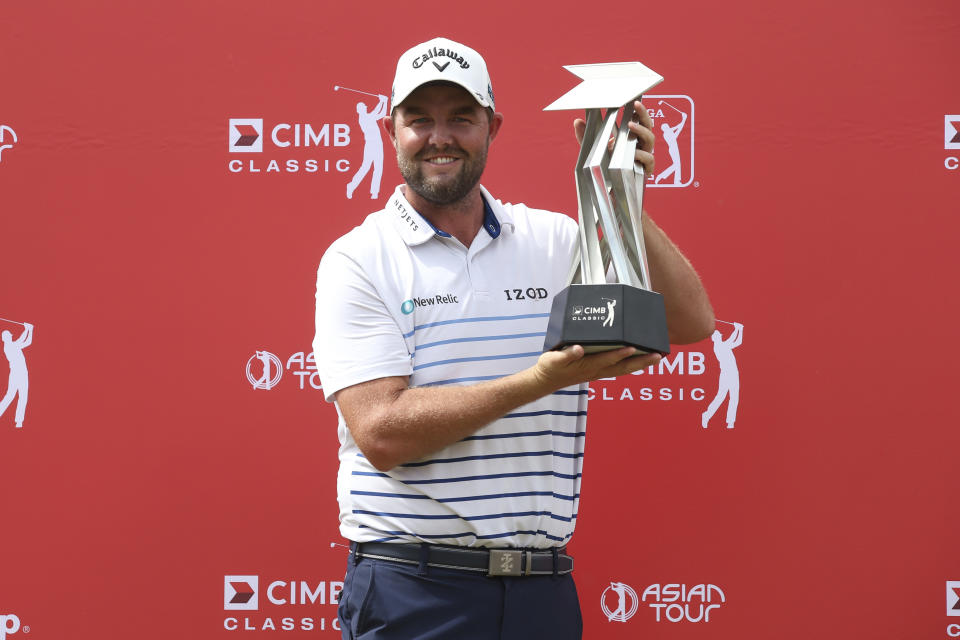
pixel 492 562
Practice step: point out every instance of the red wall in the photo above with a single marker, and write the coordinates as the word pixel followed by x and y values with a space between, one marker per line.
pixel 821 213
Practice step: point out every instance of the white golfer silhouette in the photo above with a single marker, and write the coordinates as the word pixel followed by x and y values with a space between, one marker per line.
pixel 670 135
pixel 729 383
pixel 372 147
pixel 18 382
pixel 610 305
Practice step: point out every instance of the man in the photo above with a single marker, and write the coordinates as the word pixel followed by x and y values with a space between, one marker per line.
pixel 461 443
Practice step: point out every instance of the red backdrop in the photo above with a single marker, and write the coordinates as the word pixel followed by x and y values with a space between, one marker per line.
pixel 816 200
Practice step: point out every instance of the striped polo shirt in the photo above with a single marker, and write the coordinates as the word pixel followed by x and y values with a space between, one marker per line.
pixel 397 297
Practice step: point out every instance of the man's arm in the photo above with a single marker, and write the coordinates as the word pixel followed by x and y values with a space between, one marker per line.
pixel 394 424
pixel 689 313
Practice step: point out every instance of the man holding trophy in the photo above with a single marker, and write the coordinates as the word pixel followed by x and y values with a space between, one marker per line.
pixel 459 380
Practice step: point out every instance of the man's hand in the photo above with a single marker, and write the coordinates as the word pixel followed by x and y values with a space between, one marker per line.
pixel 641 128
pixel 570 366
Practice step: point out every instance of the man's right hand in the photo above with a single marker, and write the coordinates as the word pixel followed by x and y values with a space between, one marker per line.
pixel 570 366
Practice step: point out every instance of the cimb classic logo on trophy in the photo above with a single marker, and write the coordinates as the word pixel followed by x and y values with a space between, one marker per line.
pixel 592 311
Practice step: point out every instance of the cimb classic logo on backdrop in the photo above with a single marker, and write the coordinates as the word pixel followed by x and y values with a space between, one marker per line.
pixel 953 597
pixel 953 607
pixel 307 148
pixel 242 593
pixel 951 140
pixel 247 135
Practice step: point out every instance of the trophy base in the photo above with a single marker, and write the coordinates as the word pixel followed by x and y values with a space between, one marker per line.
pixel 601 317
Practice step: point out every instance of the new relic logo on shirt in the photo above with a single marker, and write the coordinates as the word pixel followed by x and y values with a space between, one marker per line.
pixel 409 305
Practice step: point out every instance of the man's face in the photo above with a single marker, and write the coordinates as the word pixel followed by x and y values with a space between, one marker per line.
pixel 441 135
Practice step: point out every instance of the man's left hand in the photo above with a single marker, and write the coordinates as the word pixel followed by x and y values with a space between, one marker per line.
pixel 641 128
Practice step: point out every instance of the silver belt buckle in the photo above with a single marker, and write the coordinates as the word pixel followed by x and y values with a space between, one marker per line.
pixel 504 562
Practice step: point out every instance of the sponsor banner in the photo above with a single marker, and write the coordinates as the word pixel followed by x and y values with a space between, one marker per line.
pixel 280 604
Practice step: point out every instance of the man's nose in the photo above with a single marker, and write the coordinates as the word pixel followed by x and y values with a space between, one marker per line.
pixel 441 135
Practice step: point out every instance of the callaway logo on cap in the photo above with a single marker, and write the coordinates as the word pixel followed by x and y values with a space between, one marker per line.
pixel 442 59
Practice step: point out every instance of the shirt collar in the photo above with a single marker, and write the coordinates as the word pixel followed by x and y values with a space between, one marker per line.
pixel 415 229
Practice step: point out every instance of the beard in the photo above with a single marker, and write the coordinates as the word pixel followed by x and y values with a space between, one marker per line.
pixel 443 190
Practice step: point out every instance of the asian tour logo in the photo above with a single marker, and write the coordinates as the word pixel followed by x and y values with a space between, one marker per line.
pixel 673 120
pixel 673 602
pixel 624 600
pixel 264 370
pixel 8 138
pixel 271 370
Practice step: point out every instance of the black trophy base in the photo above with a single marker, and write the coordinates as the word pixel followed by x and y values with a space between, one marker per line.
pixel 608 316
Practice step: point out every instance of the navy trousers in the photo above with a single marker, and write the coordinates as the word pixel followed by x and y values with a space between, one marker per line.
pixel 384 600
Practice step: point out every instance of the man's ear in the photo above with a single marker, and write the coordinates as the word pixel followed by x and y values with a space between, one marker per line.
pixel 387 124
pixel 496 121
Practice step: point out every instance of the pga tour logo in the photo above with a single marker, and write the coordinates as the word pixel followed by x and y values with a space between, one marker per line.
pixel 10 624
pixel 240 593
pixel 672 117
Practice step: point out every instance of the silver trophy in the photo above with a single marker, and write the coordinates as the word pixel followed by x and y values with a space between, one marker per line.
pixel 593 311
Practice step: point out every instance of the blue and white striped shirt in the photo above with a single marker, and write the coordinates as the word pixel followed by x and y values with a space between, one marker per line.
pixel 395 297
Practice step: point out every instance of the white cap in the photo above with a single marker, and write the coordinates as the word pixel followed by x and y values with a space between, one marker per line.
pixel 442 60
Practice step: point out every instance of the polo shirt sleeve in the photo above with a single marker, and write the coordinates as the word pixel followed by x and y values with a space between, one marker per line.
pixel 356 339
